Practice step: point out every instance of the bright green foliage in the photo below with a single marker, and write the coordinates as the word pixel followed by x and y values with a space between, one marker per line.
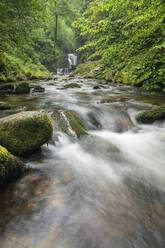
pixel 27 37
pixel 129 36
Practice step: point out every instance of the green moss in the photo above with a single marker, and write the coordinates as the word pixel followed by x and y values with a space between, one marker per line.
pixel 10 167
pixel 85 68
pixel 149 116
pixel 25 132
pixel 76 123
pixel 17 68
pixel 22 88
pixel 89 75
pixel 72 85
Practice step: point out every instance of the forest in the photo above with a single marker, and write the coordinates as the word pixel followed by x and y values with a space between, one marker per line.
pixel 82 124
pixel 126 38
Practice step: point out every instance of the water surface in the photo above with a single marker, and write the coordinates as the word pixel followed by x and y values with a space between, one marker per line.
pixel 105 190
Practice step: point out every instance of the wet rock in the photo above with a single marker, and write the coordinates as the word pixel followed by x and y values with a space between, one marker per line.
pixel 99 146
pixel 38 88
pixel 52 83
pixel 24 133
pixel 107 100
pixel 4 106
pixel 70 123
pixel 72 85
pixel 113 99
pixel 97 87
pixel 7 87
pixel 94 120
pixel 151 115
pixel 119 122
pixel 10 167
pixel 22 88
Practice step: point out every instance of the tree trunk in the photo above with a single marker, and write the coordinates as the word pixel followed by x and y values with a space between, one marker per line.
pixel 56 25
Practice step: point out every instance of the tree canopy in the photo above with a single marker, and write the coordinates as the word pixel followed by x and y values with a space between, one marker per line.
pixel 128 36
pixel 122 35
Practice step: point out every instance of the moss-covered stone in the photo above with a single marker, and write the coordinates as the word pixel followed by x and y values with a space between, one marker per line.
pixel 6 87
pixel 10 167
pixel 151 115
pixel 22 88
pixel 68 121
pixel 25 132
pixel 4 106
pixel 72 85
pixel 38 88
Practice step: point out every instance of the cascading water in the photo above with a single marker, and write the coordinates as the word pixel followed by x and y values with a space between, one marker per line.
pixel 72 62
pixel 72 59
pixel 105 190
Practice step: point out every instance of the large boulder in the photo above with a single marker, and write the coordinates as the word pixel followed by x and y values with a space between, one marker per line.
pixel 70 123
pixel 10 167
pixel 22 88
pixel 25 132
pixel 151 115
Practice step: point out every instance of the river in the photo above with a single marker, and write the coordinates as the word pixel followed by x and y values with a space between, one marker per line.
pixel 105 190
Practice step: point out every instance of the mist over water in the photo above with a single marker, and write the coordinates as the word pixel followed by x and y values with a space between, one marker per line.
pixel 104 190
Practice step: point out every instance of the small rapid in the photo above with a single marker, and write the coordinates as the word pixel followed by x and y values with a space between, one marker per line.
pixel 106 189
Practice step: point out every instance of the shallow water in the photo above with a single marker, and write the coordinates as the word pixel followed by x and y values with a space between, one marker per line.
pixel 105 190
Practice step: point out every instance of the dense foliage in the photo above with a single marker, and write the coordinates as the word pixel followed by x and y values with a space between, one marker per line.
pixel 35 35
pixel 127 37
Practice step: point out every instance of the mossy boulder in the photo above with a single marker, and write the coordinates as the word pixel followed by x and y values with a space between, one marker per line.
pixel 72 85
pixel 38 88
pixel 25 132
pixel 22 88
pixel 151 115
pixel 4 106
pixel 10 167
pixel 6 87
pixel 70 123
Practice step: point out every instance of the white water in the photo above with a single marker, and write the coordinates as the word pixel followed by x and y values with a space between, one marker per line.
pixel 72 59
pixel 105 190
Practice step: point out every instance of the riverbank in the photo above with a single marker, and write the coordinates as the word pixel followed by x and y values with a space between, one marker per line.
pixel 14 68
pixel 132 74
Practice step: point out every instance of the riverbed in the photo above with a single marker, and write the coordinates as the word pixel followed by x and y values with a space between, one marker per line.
pixel 104 190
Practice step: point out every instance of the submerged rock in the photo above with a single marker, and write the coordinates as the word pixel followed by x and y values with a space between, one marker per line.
pixel 38 88
pixel 10 167
pixel 70 123
pixel 4 106
pixel 116 121
pixel 151 115
pixel 25 132
pixel 22 88
pixel 72 85
pixel 97 87
pixel 119 122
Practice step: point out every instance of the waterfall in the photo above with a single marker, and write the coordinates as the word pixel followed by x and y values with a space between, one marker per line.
pixel 72 59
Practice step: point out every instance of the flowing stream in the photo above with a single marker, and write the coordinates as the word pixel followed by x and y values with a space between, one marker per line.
pixel 105 190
